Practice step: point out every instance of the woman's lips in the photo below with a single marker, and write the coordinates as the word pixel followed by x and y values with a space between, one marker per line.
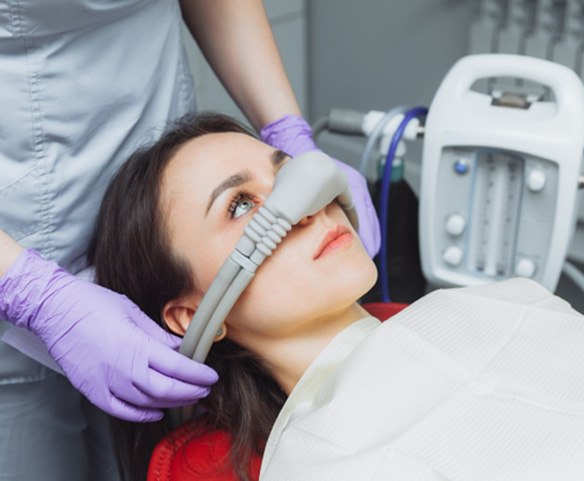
pixel 334 238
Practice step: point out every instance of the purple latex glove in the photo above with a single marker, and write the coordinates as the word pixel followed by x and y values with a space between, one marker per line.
pixel 293 135
pixel 108 348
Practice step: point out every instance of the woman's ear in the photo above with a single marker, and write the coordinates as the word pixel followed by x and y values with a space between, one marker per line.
pixel 177 315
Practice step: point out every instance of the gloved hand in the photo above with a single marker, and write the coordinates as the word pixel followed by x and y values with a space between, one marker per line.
pixel 293 135
pixel 110 350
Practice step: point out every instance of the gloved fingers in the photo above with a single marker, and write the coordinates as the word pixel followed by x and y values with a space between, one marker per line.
pixel 128 412
pixel 369 227
pixel 159 391
pixel 290 133
pixel 175 365
pixel 154 330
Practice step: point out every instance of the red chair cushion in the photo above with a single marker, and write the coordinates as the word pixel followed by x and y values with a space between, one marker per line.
pixel 384 310
pixel 183 456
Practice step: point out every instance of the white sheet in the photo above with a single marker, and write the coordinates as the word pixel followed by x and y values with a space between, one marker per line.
pixel 482 383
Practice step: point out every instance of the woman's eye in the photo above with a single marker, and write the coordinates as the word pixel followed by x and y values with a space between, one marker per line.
pixel 241 205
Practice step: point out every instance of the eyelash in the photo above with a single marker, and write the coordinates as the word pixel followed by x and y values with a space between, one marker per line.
pixel 237 199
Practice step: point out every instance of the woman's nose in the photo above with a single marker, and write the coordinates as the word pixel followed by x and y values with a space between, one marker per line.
pixel 310 218
pixel 305 220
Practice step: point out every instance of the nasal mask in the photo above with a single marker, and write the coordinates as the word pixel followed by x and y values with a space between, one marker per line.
pixel 302 187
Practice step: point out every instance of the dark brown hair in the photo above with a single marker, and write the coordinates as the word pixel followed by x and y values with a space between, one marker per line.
pixel 132 255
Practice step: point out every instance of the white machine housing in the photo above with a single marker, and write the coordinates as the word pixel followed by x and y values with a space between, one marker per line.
pixel 499 184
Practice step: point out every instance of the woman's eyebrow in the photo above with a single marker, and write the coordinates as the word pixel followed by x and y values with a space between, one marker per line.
pixel 230 182
pixel 277 157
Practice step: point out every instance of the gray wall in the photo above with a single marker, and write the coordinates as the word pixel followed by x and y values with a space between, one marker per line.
pixel 376 54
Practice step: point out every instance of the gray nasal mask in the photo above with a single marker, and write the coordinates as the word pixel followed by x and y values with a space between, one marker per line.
pixel 302 187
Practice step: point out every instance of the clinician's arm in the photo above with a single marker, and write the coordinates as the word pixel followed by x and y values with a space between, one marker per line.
pixel 109 349
pixel 236 38
pixel 237 41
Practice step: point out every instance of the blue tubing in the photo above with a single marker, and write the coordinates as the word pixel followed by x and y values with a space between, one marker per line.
pixel 384 197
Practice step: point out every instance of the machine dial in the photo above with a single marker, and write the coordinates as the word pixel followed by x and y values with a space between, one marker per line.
pixel 525 268
pixel 536 180
pixel 455 225
pixel 452 256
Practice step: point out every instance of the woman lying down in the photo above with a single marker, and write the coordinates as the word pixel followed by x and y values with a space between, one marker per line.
pixel 481 383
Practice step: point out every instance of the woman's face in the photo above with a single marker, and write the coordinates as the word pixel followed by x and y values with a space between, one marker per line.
pixel 211 189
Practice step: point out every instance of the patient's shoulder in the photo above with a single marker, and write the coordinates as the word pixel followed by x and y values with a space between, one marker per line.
pixel 186 454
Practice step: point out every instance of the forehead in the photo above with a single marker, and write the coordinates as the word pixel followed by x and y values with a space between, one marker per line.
pixel 212 157
pixel 220 151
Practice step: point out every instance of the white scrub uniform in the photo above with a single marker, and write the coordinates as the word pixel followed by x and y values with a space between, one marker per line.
pixel 82 84
pixel 475 384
